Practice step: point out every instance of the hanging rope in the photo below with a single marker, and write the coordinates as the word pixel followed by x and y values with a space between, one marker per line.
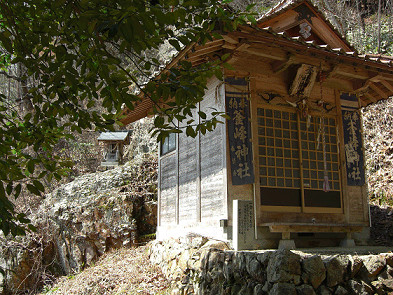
pixel 326 186
pixel 322 132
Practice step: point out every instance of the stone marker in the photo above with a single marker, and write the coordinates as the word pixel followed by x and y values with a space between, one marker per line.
pixel 243 224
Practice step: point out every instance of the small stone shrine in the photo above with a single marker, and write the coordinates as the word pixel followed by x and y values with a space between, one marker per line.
pixel 293 147
pixel 113 147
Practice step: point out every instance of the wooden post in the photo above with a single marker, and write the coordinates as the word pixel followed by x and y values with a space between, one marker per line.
pixel 300 162
pixel 255 149
pixel 198 180
pixel 341 154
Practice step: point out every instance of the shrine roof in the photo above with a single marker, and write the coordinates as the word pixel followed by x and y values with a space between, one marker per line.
pixel 113 136
pixel 326 44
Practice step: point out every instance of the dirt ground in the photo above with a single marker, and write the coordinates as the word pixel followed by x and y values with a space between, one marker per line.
pixel 125 271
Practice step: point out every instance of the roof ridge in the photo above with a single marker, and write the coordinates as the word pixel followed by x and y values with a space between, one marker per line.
pixel 281 5
pixel 284 5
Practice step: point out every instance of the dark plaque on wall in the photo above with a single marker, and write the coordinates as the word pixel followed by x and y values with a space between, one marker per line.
pixel 239 130
pixel 353 142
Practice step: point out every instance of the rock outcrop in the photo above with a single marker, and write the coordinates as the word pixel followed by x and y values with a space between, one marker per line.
pixel 81 220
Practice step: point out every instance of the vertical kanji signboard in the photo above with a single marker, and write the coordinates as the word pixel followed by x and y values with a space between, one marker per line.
pixel 353 143
pixel 239 131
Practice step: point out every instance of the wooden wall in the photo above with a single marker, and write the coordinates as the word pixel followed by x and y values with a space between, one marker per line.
pixel 168 189
pixel 188 179
pixel 192 186
pixel 213 181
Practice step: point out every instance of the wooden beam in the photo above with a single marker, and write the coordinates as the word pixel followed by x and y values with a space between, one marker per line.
pixel 206 50
pixel 261 53
pixel 387 85
pixel 363 87
pixel 280 54
pixel 309 227
pixel 362 102
pixel 378 90
pixel 379 77
pixel 352 72
pixel 279 67
pixel 229 46
pixel 339 84
pixel 242 47
pixel 369 97
pixel 333 71
pixel 230 39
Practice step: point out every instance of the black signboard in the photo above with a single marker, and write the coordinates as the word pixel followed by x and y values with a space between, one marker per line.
pixel 353 143
pixel 239 130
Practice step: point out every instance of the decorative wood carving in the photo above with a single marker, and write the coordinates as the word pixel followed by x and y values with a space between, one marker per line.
pixel 304 81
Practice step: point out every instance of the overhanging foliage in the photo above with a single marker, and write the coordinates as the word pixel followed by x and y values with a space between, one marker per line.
pixel 77 55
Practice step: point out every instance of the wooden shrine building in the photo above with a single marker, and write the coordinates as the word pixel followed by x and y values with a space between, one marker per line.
pixel 113 147
pixel 289 166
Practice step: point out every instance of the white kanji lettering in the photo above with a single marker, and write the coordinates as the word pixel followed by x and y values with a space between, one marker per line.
pixel 243 170
pixel 240 133
pixel 238 117
pixel 242 152
pixel 233 103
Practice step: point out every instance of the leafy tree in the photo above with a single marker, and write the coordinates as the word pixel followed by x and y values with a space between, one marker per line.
pixel 77 53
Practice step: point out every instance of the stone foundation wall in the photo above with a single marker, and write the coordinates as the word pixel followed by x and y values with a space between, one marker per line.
pixel 201 266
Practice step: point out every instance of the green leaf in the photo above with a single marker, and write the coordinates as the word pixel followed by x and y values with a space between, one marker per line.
pixel 252 19
pixel 30 166
pixel 6 41
pixel 39 185
pixel 190 131
pixel 218 73
pixel 202 115
pixel 5 227
pixel 32 227
pixel 18 188
pixel 9 188
pixel 33 189
pixel 175 44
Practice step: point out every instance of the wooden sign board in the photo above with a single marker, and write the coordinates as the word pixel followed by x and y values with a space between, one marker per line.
pixel 243 224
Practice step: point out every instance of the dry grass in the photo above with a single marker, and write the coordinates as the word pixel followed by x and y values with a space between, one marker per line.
pixel 124 271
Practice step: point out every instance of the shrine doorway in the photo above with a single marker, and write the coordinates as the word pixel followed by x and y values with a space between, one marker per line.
pixel 298 161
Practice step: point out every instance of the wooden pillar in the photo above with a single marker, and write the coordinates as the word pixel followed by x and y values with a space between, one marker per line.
pixel 198 180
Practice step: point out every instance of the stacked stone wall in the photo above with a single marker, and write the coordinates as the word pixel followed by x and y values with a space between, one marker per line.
pixel 201 266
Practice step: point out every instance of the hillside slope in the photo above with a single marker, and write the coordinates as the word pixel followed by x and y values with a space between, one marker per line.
pixel 378 139
pixel 124 271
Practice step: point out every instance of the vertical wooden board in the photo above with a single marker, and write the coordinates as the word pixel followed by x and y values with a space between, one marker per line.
pixel 168 189
pixel 356 207
pixel 243 224
pixel 212 153
pixel 187 179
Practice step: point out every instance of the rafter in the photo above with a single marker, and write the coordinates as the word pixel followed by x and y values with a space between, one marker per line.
pixel 378 90
pixel 369 97
pixel 362 102
pixel 206 50
pixel 279 67
pixel 387 85
pixel 230 39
